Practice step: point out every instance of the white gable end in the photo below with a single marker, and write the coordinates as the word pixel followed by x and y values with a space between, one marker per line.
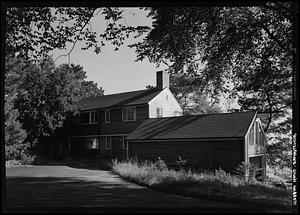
pixel 164 105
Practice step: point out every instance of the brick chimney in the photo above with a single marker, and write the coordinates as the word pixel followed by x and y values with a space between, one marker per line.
pixel 162 80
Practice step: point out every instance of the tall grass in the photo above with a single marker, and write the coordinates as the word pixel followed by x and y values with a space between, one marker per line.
pixel 212 184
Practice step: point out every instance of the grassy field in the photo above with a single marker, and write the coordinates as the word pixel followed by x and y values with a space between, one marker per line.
pixel 217 185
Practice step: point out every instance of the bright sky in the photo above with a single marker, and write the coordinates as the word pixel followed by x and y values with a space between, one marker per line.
pixel 117 71
pixel 114 71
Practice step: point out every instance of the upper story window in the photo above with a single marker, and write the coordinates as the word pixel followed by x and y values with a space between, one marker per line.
pixel 159 112
pixel 129 114
pixel 90 117
pixel 107 115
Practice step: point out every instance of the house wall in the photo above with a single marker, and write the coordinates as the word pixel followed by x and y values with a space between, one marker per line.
pixel 167 102
pixel 117 126
pixel 227 154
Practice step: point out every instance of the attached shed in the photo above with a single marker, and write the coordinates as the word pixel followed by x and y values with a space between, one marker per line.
pixel 206 141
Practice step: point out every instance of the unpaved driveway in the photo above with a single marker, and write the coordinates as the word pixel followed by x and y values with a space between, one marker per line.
pixel 62 186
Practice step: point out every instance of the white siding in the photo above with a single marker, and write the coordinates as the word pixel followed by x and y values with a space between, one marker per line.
pixel 167 102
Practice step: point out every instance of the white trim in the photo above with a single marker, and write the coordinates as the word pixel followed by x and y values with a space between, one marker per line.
pixel 134 114
pixel 257 155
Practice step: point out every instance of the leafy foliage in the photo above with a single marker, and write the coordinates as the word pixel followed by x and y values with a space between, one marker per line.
pixel 32 32
pixel 45 96
pixel 192 99
pixel 14 133
pixel 247 47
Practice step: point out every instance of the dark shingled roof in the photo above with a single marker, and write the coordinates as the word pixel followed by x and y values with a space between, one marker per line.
pixel 119 99
pixel 221 125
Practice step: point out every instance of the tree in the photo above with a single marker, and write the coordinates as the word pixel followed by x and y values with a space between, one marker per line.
pixel 192 99
pixel 48 95
pixel 32 32
pixel 218 43
pixel 14 133
pixel 247 47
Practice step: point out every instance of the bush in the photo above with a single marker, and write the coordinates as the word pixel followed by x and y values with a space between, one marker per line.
pixel 11 163
pixel 27 159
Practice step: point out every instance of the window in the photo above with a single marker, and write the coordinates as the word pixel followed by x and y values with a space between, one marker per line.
pixel 90 117
pixel 167 97
pixel 129 114
pixel 124 144
pixel 107 115
pixel 94 117
pixel 92 143
pixel 108 143
pixel 159 112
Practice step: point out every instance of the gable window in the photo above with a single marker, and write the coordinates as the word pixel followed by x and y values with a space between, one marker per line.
pixel 108 143
pixel 90 117
pixel 107 115
pixel 159 112
pixel 129 114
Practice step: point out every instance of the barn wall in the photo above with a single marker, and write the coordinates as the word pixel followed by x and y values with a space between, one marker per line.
pixel 167 102
pixel 226 154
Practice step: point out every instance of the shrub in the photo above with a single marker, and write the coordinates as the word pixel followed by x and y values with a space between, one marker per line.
pixel 26 158
pixel 182 164
pixel 11 163
pixel 160 165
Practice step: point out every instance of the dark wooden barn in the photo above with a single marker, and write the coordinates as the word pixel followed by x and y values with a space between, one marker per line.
pixel 207 141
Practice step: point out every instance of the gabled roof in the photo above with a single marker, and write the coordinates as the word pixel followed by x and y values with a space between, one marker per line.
pixel 221 125
pixel 119 99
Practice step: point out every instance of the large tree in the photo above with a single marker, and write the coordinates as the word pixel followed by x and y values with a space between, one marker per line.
pixel 32 32
pixel 191 96
pixel 249 48
pixel 46 95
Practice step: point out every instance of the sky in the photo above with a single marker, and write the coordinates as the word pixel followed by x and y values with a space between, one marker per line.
pixel 117 71
pixel 114 71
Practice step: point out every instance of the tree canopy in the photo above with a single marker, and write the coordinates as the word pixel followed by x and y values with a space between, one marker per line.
pixel 43 97
pixel 249 48
pixel 32 32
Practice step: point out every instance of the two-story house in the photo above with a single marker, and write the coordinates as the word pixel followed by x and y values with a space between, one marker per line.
pixel 106 121
pixel 147 124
